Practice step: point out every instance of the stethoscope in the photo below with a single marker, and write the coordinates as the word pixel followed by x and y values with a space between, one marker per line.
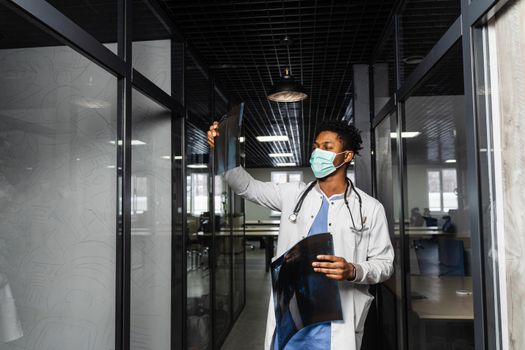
pixel 350 185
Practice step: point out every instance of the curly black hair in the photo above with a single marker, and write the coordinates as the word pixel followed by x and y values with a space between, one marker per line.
pixel 349 134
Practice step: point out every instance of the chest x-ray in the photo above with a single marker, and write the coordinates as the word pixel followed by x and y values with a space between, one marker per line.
pixel 303 297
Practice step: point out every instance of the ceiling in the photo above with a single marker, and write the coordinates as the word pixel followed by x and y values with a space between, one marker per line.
pixel 240 41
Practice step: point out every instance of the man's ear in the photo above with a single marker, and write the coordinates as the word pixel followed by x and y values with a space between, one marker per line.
pixel 349 156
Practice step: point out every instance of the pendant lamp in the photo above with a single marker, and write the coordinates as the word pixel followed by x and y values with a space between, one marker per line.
pixel 287 90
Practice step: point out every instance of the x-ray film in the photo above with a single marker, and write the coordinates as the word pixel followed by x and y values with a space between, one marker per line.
pixel 301 296
pixel 227 144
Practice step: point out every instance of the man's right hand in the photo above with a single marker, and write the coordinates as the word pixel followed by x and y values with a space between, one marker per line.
pixel 213 133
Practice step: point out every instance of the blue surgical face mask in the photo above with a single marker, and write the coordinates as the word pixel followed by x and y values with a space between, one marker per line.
pixel 322 162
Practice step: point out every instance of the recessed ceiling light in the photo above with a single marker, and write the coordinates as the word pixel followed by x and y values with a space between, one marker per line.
pixel 286 164
pixel 197 166
pixel 133 142
pixel 413 59
pixel 450 161
pixel 277 155
pixel 174 157
pixel 406 134
pixel 274 138
pixel 91 103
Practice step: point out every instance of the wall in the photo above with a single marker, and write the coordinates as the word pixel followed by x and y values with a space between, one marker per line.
pixel 508 47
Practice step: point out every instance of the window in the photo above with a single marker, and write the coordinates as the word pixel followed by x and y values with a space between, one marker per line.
pixel 280 177
pixel 221 196
pixel 442 189
pixel 139 193
pixel 197 187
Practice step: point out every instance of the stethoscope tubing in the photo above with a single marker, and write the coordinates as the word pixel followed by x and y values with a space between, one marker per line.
pixel 350 185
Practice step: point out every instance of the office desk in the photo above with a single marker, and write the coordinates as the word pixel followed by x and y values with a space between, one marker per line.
pixel 441 302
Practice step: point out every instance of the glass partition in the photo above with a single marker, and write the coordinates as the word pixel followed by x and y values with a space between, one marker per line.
pixel 58 178
pixel 151 46
pixel 388 193
pixel 436 207
pixel 239 254
pixel 384 69
pixel 150 224
pixel 223 259
pixel 199 241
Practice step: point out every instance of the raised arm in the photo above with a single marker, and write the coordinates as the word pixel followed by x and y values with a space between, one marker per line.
pixel 242 183
pixel 266 194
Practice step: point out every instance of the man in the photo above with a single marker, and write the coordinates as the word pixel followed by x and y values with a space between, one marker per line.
pixel 362 247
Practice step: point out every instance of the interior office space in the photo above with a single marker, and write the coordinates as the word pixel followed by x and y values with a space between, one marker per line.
pixel 115 234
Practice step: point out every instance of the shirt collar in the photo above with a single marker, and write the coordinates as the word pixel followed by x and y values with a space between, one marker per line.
pixel 334 196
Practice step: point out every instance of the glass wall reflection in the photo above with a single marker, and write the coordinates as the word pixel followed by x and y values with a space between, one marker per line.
pixel 222 264
pixel 384 70
pixel 200 219
pixel 239 254
pixel 150 224
pixel 422 24
pixel 436 210
pixel 58 122
pixel 388 193
pixel 152 47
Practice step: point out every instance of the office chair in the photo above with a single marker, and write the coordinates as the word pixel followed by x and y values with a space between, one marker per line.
pixel 440 257
pixel 451 257
pixel 427 254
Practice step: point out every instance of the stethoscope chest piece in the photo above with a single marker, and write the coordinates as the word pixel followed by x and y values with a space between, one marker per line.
pixel 292 217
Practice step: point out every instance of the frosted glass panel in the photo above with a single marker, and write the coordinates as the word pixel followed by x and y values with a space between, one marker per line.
pixel 152 46
pixel 57 198
pixel 150 225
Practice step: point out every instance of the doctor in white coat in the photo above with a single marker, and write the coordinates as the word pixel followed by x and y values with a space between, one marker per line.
pixel 357 222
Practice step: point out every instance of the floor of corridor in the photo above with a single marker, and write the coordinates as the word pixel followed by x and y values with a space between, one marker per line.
pixel 248 331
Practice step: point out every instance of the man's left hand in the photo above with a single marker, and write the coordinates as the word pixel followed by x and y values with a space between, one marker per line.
pixel 334 267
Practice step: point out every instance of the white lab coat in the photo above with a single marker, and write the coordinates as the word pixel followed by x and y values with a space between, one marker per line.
pixel 372 254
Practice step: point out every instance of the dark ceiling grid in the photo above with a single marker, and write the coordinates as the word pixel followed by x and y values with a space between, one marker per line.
pixel 341 82
pixel 226 52
pixel 312 82
pixel 274 108
pixel 282 124
pixel 323 75
pixel 240 42
pixel 276 147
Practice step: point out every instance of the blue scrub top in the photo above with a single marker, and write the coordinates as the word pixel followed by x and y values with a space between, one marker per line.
pixel 317 336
